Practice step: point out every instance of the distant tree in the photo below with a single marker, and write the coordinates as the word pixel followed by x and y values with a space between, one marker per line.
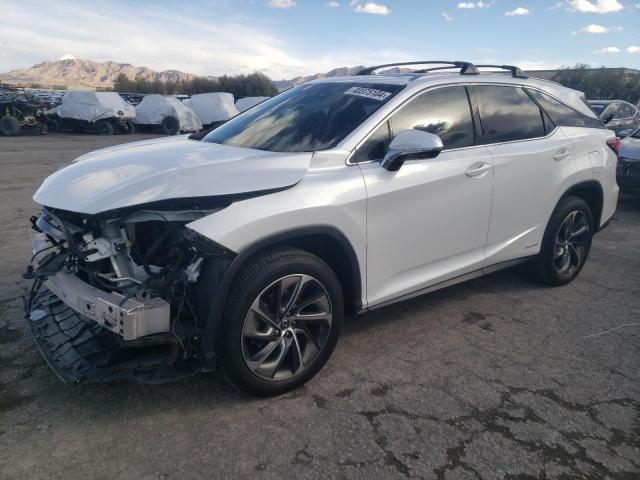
pixel 601 83
pixel 253 85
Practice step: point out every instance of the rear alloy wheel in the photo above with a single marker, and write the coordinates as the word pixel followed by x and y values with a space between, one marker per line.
pixel 566 243
pixel 571 243
pixel 282 321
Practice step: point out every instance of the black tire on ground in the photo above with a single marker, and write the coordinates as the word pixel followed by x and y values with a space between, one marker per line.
pixel 77 350
pixel 10 126
pixel 170 126
pixel 545 266
pixel 53 125
pixel 105 127
pixel 254 278
pixel 131 128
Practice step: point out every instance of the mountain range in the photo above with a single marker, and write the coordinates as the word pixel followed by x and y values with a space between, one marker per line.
pixel 89 73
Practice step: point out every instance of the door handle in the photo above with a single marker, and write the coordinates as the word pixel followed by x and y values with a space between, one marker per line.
pixel 562 154
pixel 478 169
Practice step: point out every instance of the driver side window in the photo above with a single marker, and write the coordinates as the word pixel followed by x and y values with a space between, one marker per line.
pixel 445 112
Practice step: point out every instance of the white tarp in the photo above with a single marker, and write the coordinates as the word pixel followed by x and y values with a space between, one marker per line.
pixel 212 107
pixel 247 102
pixel 93 106
pixel 153 109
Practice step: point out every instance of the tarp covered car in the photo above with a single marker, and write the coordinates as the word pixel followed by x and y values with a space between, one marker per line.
pixel 104 112
pixel 167 113
pixel 247 102
pixel 212 108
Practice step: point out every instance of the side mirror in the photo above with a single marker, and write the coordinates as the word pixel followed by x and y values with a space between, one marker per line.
pixel 410 145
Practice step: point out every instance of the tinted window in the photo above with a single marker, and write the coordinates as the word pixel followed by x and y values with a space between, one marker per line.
pixel 562 114
pixel 597 107
pixel 376 146
pixel 508 114
pixel 309 117
pixel 444 112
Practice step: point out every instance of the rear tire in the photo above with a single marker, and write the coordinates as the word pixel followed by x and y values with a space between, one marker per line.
pixel 105 128
pixel 301 311
pixel 10 126
pixel 566 243
pixel 170 126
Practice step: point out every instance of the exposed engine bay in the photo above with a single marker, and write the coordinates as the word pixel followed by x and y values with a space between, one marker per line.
pixel 130 279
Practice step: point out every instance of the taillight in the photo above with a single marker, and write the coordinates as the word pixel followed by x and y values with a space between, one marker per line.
pixel 614 144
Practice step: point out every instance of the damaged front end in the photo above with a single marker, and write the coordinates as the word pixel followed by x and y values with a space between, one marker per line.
pixel 116 295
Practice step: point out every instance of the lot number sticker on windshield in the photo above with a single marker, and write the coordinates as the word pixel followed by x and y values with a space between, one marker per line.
pixel 368 93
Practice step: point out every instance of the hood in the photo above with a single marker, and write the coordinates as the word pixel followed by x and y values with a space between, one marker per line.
pixel 165 169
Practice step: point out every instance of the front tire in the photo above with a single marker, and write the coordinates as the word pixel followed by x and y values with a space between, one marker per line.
pixel 170 126
pixel 282 321
pixel 10 126
pixel 566 243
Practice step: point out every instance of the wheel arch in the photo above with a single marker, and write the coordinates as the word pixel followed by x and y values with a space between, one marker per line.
pixel 590 191
pixel 326 242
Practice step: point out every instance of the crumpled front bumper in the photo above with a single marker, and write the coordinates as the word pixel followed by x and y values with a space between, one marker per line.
pixel 130 318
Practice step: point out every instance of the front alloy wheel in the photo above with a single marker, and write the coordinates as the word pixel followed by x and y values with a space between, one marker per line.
pixel 286 327
pixel 281 322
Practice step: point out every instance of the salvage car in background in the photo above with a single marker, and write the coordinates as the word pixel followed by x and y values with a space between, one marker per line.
pixel 618 115
pixel 247 102
pixel 629 162
pixel 167 114
pixel 20 113
pixel 212 108
pixel 104 113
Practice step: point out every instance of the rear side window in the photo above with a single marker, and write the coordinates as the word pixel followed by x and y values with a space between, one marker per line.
pixel 445 112
pixel 508 114
pixel 562 114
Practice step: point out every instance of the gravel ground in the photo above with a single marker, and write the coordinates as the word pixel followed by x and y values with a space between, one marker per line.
pixel 496 378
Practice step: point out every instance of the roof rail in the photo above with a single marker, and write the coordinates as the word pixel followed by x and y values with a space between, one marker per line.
pixel 466 68
pixel 515 71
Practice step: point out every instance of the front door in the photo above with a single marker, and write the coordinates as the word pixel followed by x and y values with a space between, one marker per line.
pixel 427 222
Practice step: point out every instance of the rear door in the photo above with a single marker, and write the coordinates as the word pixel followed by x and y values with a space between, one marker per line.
pixel 427 222
pixel 531 158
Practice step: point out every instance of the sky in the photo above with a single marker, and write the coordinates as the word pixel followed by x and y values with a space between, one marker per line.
pixel 287 38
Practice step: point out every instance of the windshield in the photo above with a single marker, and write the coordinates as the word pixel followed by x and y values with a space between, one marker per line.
pixel 306 118
pixel 598 108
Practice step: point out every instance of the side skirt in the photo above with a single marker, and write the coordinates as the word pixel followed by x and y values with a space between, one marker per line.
pixel 454 281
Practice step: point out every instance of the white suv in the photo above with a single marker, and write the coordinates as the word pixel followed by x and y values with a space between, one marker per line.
pixel 154 259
